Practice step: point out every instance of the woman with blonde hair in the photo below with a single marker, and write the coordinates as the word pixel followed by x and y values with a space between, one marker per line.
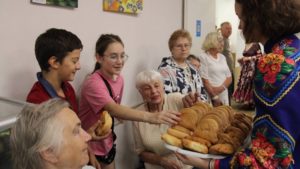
pixel 214 70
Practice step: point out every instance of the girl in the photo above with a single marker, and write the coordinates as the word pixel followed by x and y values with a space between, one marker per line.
pixel 103 90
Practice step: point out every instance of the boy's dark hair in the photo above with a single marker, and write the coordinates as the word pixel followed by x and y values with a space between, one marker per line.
pixel 191 56
pixel 102 44
pixel 55 42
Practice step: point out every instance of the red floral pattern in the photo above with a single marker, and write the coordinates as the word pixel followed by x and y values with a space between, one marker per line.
pixel 263 155
pixel 273 67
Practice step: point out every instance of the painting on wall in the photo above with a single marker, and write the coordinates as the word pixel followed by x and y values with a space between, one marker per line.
pixel 123 6
pixel 62 3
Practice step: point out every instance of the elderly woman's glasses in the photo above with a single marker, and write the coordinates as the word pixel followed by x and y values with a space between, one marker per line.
pixel 181 46
pixel 114 57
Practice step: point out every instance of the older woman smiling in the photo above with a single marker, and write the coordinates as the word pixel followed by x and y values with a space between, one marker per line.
pixel 148 143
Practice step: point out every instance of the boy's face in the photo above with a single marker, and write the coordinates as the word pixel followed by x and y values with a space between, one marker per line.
pixel 69 66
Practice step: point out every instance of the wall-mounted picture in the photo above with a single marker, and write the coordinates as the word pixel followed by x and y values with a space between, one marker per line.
pixel 123 6
pixel 62 3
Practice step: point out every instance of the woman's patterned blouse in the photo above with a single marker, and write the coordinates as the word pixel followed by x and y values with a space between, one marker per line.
pixel 177 79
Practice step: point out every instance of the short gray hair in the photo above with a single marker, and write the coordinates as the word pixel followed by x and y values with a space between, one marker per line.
pixel 211 41
pixel 36 130
pixel 146 77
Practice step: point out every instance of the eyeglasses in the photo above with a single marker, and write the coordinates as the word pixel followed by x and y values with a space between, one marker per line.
pixel 181 46
pixel 114 57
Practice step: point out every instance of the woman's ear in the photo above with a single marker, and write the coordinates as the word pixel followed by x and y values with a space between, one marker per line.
pixel 53 62
pixel 49 156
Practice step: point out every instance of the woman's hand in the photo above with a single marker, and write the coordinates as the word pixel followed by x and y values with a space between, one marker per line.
pixel 218 90
pixel 170 163
pixel 92 132
pixel 216 102
pixel 190 99
pixel 193 161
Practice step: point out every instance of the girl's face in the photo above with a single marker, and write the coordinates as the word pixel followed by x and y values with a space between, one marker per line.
pixel 113 59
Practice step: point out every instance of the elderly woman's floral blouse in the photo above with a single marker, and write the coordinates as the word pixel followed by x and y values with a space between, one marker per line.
pixel 183 80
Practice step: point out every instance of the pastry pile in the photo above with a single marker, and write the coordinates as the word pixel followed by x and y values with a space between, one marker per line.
pixel 206 129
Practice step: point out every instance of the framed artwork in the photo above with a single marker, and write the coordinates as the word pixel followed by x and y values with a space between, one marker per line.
pixel 61 3
pixel 123 6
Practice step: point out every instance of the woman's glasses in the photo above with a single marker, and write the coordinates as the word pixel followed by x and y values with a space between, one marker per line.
pixel 181 46
pixel 115 57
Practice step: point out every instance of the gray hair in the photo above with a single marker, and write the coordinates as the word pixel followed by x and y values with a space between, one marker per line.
pixel 37 129
pixel 211 41
pixel 146 77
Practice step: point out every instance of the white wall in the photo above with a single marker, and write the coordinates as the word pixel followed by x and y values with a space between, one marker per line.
pixel 204 11
pixel 225 12
pixel 145 37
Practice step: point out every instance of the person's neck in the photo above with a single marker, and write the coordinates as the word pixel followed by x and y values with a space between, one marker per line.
pixel 181 63
pixel 53 80
pixel 154 107
pixel 213 53
pixel 108 75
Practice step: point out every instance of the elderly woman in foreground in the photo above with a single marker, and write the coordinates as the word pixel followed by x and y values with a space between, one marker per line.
pixel 49 136
pixel 148 143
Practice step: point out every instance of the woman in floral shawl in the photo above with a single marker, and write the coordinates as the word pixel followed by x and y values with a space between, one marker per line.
pixel 275 139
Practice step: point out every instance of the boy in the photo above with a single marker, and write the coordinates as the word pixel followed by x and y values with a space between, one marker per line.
pixel 57 52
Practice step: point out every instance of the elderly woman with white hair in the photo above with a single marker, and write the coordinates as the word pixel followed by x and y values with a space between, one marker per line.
pixel 147 137
pixel 214 71
pixel 49 136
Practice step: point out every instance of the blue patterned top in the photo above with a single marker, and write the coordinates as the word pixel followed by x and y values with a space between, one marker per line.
pixel 177 79
pixel 276 134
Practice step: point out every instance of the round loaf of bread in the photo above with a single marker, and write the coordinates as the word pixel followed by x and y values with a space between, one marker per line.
pixel 169 139
pixel 177 133
pixel 195 146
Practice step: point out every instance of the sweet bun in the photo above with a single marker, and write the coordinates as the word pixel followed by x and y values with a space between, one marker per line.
pixel 182 129
pixel 189 118
pixel 201 140
pixel 221 149
pixel 177 133
pixel 106 124
pixel 172 140
pixel 195 146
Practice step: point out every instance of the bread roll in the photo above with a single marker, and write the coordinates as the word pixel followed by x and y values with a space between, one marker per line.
pixel 177 133
pixel 106 123
pixel 189 118
pixel 183 129
pixel 221 149
pixel 169 139
pixel 195 146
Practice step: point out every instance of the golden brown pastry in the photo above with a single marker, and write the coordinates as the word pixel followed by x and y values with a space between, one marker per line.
pixel 201 140
pixel 169 139
pixel 189 118
pixel 211 136
pixel 106 123
pixel 183 129
pixel 221 149
pixel 177 133
pixel 195 146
